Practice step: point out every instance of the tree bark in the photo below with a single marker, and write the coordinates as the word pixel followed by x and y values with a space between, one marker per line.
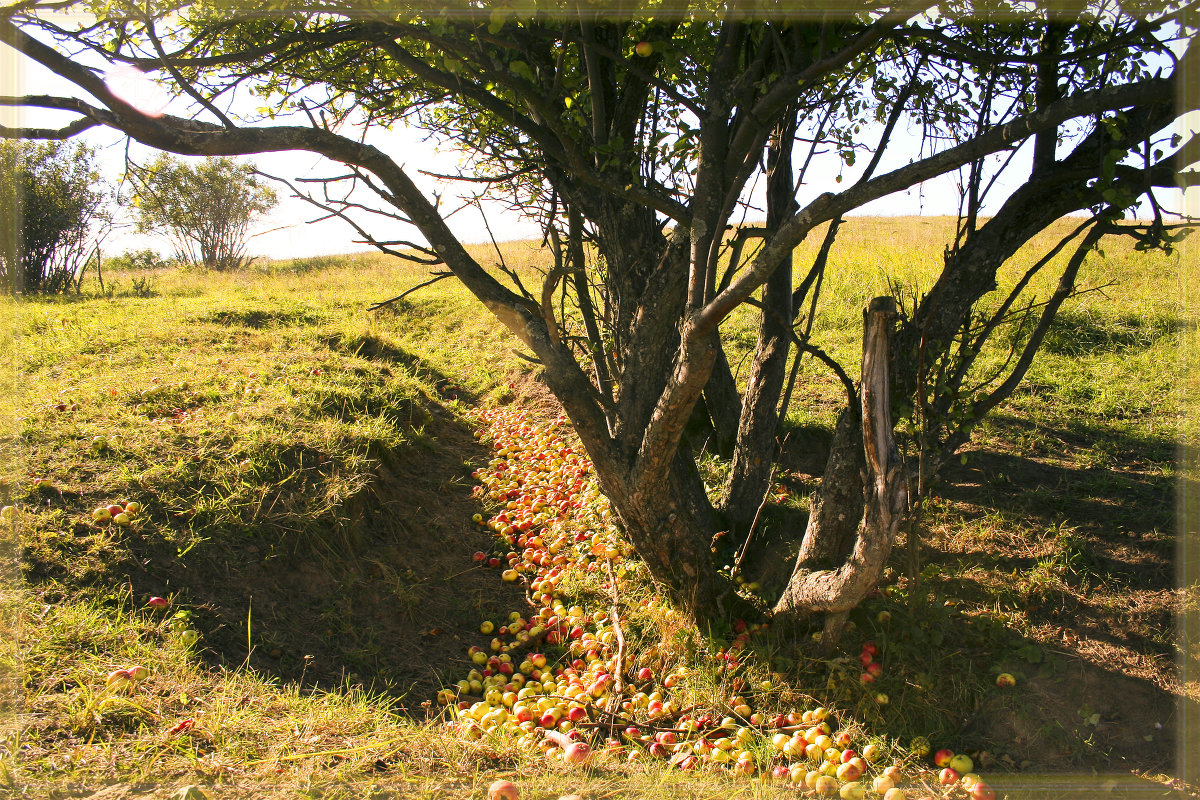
pixel 724 405
pixel 835 591
pixel 750 473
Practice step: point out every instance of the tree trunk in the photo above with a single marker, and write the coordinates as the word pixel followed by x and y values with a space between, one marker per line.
pixel 750 473
pixel 835 591
pixel 836 507
pixel 724 405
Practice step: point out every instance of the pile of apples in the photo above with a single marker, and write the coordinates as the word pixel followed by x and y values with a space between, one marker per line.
pixel 119 514
pixel 549 518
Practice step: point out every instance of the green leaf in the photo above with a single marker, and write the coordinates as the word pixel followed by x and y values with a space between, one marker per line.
pixel 522 69
pixel 1031 653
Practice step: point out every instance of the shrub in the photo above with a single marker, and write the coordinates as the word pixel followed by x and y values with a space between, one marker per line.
pixel 52 202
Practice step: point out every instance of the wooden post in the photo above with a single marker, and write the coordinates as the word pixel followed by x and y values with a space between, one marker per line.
pixel 884 486
pixel 835 592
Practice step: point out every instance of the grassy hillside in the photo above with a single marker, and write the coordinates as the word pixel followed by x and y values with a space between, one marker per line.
pixel 304 471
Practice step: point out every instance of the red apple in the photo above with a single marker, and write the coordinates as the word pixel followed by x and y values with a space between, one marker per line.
pixel 503 790
pixel 942 757
pixel 948 777
pixel 577 753
pixel 643 49
pixel 981 791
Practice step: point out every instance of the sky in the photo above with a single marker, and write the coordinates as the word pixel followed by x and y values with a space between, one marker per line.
pixel 288 233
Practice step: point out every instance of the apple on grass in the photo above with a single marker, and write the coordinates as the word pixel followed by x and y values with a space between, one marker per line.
pixel 848 772
pixel 962 764
pixel 826 785
pixel 503 790
pixel 118 678
pixel 852 791
pixel 577 753
pixel 981 791
pixel 942 757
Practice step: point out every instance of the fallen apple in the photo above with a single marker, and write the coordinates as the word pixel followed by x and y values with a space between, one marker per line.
pixel 503 790
pixel 848 772
pixel 962 764
pixel 1005 680
pixel 852 791
pixel 942 757
pixel 826 785
pixel 577 753
pixel 981 791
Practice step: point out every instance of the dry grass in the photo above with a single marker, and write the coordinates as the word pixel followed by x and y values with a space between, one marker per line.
pixel 310 492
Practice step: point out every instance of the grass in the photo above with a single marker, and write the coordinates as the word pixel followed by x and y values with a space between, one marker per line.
pixel 304 465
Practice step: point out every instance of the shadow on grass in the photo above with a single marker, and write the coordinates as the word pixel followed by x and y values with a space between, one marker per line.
pixel 378 348
pixel 1076 333
pixel 1065 715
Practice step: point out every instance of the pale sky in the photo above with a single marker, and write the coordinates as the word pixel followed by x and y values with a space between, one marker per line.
pixel 285 234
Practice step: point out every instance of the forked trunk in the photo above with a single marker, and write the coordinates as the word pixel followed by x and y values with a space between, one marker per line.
pixel 671 525
pixel 835 590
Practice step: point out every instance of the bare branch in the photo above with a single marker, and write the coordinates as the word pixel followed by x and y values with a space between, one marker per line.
pixel 437 276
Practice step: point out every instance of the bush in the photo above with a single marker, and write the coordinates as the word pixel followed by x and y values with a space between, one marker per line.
pixel 139 261
pixel 52 203
pixel 205 209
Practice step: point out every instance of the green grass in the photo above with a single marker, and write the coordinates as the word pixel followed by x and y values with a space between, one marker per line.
pixel 262 418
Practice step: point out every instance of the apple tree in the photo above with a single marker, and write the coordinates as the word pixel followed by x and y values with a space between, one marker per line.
pixel 636 139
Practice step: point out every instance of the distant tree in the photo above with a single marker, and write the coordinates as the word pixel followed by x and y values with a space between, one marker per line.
pixel 204 210
pixel 52 204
